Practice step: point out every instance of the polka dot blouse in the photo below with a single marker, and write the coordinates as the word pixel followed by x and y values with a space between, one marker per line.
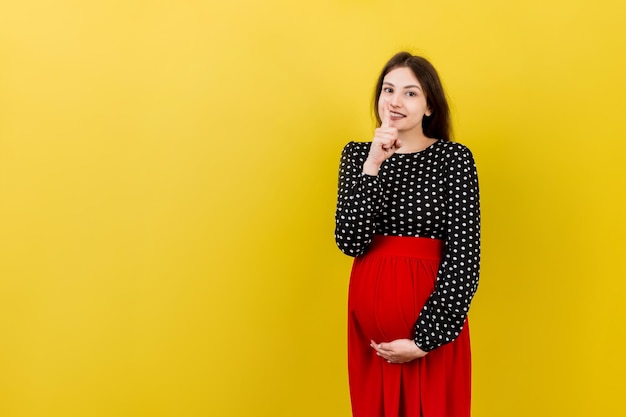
pixel 432 193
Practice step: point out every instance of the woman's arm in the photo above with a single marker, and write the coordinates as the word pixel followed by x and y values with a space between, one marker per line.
pixel 358 202
pixel 443 316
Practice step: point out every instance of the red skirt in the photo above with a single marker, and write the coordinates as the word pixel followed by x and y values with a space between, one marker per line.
pixel 389 285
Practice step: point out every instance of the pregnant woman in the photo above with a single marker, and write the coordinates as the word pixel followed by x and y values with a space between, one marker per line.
pixel 408 211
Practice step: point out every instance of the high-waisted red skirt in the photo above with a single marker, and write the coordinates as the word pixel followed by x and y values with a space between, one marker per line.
pixel 389 285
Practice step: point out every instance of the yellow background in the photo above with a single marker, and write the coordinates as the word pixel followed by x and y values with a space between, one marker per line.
pixel 167 189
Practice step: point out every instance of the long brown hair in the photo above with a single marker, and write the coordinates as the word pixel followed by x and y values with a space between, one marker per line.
pixel 437 125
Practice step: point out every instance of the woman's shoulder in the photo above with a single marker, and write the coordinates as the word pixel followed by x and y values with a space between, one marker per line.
pixel 454 149
pixel 356 148
pixel 450 146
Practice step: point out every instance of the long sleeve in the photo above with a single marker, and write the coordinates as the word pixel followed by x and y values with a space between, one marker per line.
pixel 443 316
pixel 358 202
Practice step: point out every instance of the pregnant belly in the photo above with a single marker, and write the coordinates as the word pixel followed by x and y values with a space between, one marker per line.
pixel 387 295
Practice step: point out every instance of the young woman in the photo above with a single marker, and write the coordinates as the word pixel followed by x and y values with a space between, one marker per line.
pixel 408 211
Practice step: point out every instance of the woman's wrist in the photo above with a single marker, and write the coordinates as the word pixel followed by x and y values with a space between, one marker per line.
pixel 371 168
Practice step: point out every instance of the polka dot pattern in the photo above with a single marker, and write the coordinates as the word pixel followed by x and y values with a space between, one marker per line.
pixel 432 193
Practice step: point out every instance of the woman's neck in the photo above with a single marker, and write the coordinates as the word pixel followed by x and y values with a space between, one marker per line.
pixel 414 142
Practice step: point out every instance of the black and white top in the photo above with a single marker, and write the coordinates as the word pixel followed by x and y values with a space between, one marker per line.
pixel 432 193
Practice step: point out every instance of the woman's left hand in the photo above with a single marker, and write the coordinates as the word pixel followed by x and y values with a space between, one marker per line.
pixel 398 351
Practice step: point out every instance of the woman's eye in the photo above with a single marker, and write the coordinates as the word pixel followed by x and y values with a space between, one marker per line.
pixel 411 93
pixel 387 90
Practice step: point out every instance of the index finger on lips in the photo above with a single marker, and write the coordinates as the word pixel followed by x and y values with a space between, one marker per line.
pixel 386 120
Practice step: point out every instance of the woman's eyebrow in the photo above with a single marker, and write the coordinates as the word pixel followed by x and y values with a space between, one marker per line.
pixel 406 86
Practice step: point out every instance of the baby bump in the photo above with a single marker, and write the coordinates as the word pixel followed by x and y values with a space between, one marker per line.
pixel 387 294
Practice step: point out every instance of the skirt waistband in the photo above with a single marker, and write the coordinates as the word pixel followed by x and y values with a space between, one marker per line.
pixel 416 247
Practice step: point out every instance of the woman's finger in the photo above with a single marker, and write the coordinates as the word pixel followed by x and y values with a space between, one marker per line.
pixel 386 121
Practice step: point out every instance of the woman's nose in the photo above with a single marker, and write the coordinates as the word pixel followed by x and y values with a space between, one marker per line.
pixel 395 100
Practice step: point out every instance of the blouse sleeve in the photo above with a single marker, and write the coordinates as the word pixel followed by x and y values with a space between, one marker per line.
pixel 359 201
pixel 443 316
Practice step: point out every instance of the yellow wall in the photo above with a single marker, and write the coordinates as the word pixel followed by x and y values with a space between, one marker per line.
pixel 167 187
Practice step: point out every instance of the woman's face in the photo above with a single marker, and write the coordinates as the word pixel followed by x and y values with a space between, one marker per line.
pixel 406 100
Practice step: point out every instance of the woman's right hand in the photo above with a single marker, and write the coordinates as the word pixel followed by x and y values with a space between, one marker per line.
pixel 384 144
